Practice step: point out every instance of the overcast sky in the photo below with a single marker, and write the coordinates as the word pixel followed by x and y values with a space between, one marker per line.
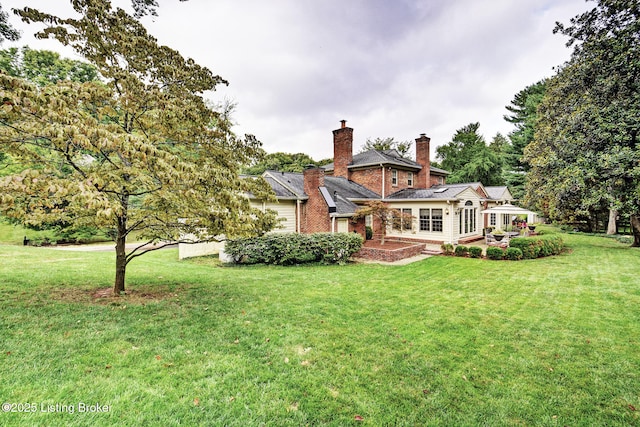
pixel 391 68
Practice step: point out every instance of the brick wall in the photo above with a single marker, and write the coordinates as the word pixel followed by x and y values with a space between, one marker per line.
pixel 315 212
pixel 389 255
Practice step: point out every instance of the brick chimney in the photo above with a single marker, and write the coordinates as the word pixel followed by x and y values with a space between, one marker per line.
pixel 313 179
pixel 342 150
pixel 423 180
pixel 316 216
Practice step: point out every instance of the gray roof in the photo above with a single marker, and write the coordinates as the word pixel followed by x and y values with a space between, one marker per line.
pixel 342 190
pixel 496 193
pixel 387 158
pixel 437 192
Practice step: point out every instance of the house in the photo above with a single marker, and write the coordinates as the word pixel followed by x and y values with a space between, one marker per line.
pixel 325 199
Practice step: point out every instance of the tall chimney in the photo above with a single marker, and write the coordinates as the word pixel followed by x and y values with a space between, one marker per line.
pixel 423 180
pixel 342 150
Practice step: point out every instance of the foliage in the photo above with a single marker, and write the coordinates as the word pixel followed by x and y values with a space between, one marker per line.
pixel 513 254
pixel 44 67
pixel 141 152
pixel 475 252
pixel 386 215
pixel 7 32
pixel 469 158
pixel 585 156
pixel 461 250
pixel 368 232
pixel 447 248
pixel 523 114
pixel 294 248
pixel 386 144
pixel 495 253
pixel 282 162
pixel 538 246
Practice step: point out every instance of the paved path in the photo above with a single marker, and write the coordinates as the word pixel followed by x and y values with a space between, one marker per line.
pixel 104 247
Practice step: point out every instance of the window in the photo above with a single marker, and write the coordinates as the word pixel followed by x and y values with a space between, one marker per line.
pixel 425 219
pixel 440 180
pixel 492 219
pixel 368 220
pixel 410 179
pixel 402 219
pixel 407 220
pixel 394 177
pixel 436 219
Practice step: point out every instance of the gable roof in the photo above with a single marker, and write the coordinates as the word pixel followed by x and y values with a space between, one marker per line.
pixel 498 193
pixel 387 158
pixel 343 191
pixel 293 182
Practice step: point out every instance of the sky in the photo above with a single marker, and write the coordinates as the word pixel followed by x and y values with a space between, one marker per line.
pixel 391 68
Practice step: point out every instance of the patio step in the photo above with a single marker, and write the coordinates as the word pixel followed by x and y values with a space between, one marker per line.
pixel 427 251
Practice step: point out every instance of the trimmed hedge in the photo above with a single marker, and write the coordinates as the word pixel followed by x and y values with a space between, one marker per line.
pixel 495 253
pixel 513 254
pixel 538 246
pixel 461 250
pixel 475 252
pixel 294 248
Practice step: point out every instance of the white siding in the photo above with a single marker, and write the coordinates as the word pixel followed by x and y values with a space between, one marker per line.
pixel 286 210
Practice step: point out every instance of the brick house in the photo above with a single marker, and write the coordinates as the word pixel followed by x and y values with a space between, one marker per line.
pixel 325 199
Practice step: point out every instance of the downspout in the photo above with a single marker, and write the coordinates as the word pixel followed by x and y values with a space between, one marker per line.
pixel 452 214
pixel 333 224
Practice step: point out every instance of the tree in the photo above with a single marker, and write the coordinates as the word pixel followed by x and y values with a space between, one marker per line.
pixel 44 66
pixel 145 7
pixel 141 151
pixel 283 162
pixel 585 156
pixel 382 213
pixel 524 115
pixel 469 158
pixel 385 144
pixel 7 32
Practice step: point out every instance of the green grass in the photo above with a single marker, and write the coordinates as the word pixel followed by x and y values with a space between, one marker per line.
pixel 446 341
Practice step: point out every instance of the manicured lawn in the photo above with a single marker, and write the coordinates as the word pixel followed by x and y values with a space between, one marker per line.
pixel 445 341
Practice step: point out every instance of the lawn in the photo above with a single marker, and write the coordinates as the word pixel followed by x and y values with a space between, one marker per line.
pixel 445 341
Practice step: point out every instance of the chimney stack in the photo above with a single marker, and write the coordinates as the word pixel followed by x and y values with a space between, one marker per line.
pixel 423 180
pixel 342 150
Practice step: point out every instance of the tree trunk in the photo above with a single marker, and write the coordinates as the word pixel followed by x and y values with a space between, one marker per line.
pixel 121 265
pixel 612 227
pixel 121 254
pixel 635 229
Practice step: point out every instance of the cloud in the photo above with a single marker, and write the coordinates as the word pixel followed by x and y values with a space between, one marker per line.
pixel 391 68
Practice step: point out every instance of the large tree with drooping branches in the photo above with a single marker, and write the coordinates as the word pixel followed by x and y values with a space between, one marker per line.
pixel 139 152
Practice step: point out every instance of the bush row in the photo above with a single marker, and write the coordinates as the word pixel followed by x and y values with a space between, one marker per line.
pixel 528 248
pixel 461 250
pixel 293 248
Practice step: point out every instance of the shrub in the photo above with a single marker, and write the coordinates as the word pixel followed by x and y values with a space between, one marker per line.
pixel 461 250
pixel 369 232
pixel 538 246
pixel 293 248
pixel 447 248
pixel 495 253
pixel 475 252
pixel 513 254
